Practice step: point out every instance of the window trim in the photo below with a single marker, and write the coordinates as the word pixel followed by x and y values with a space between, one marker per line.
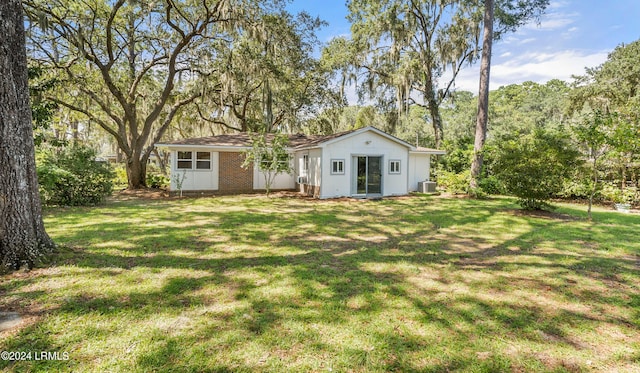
pixel 305 162
pixel 194 161
pixel 190 160
pixel 340 170
pixel 198 160
pixel 398 169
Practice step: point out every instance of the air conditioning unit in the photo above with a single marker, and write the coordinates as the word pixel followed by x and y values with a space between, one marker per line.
pixel 302 180
pixel 427 186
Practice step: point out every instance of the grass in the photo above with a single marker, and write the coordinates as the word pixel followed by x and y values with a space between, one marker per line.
pixel 247 283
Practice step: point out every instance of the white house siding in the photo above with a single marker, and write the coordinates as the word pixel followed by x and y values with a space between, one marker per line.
pixel 363 144
pixel 312 176
pixel 281 181
pixel 419 169
pixel 194 179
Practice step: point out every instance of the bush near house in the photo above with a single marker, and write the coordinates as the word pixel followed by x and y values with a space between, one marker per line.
pixel 452 182
pixel 534 167
pixel 72 177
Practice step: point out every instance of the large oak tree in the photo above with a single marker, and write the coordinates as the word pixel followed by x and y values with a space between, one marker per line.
pixel 130 66
pixel 22 235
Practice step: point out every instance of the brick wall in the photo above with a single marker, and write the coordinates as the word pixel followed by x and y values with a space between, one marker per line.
pixel 231 176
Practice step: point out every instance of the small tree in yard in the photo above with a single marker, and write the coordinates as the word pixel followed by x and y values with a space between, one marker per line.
pixel 592 134
pixel 271 157
pixel 534 167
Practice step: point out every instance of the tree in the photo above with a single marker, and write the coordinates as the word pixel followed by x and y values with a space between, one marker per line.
pixel 483 95
pixel 534 167
pixel 23 238
pixel 614 87
pixel 593 134
pixel 269 78
pixel 269 153
pixel 129 66
pixel 409 44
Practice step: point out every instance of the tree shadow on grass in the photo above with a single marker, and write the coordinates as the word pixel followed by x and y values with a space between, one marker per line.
pixel 363 269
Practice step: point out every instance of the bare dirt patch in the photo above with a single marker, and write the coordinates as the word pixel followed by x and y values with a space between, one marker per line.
pixel 148 193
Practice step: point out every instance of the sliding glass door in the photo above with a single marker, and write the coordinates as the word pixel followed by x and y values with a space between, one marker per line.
pixel 367 175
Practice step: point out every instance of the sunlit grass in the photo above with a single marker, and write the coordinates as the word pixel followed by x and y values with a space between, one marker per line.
pixel 250 283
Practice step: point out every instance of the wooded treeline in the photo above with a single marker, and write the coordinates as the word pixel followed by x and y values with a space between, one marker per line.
pixel 127 74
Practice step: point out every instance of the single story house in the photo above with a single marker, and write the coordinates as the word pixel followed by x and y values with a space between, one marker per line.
pixel 365 162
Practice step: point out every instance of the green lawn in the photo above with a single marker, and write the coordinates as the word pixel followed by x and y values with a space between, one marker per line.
pixel 249 283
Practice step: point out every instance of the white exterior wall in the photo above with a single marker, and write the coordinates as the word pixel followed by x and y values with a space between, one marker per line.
pixel 314 174
pixel 419 169
pixel 194 179
pixel 370 144
pixel 281 181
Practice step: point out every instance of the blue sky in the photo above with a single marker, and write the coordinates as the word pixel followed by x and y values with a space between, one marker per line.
pixel 572 35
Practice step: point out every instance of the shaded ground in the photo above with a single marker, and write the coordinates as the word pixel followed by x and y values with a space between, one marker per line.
pixel 251 283
pixel 148 193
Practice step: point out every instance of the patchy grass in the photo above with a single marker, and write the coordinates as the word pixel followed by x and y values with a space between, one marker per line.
pixel 255 284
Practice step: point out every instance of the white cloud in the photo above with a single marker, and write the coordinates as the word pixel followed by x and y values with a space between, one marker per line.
pixel 537 67
pixel 554 21
pixel 558 4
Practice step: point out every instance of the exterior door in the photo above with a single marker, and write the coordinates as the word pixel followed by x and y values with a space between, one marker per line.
pixel 368 175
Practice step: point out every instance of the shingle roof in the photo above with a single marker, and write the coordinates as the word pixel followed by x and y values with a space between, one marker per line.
pixel 244 139
pixel 428 150
pixel 297 141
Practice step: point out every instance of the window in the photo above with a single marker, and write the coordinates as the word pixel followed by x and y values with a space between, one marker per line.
pixel 394 167
pixel 337 166
pixel 305 162
pixel 185 161
pixel 203 160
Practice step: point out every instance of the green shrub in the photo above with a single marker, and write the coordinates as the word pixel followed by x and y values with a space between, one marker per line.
pixel 576 189
pixel 73 177
pixel 535 167
pixel 613 193
pixel 458 159
pixel 157 181
pixel 455 183
pixel 491 185
pixel 120 180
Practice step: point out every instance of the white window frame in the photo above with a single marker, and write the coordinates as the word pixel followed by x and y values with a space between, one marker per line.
pixel 337 170
pixel 305 162
pixel 394 167
pixel 184 159
pixel 194 162
pixel 198 161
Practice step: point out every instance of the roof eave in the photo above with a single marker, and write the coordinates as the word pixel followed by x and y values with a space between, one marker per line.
pixel 201 146
pixel 431 152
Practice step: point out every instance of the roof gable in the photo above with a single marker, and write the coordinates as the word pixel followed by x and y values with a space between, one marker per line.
pixel 344 135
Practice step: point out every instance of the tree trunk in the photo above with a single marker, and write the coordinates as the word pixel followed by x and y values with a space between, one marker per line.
pixel 23 238
pixel 434 109
pixel 162 162
pixel 483 95
pixel 594 187
pixel 436 119
pixel 136 172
